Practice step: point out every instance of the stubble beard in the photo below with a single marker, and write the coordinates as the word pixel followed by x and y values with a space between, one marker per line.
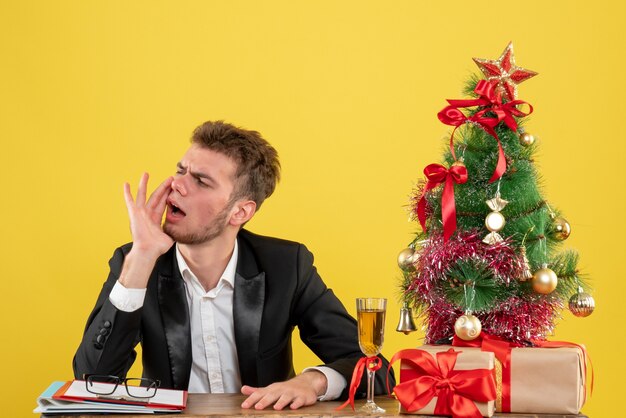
pixel 209 233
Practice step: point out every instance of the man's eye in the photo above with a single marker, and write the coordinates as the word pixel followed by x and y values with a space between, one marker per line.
pixel 200 182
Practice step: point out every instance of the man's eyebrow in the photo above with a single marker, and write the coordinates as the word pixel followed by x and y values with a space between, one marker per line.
pixel 196 174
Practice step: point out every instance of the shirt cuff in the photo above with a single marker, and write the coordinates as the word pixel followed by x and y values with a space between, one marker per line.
pixel 127 300
pixel 336 382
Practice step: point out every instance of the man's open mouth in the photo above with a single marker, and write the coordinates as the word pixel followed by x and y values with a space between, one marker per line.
pixel 176 210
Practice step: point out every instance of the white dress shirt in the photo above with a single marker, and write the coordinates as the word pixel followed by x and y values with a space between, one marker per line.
pixel 215 367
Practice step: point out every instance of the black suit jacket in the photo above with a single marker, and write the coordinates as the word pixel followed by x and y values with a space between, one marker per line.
pixel 276 289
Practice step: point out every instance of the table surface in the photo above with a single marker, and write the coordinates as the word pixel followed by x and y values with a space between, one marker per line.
pixel 221 405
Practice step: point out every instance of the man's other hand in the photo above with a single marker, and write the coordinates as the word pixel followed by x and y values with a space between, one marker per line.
pixel 299 391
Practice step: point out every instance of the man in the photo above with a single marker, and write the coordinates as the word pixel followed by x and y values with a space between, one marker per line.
pixel 212 304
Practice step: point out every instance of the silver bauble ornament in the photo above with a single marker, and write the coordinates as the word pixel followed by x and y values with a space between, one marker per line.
pixel 581 304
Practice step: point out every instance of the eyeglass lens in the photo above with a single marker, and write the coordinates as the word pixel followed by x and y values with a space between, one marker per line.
pixel 135 387
pixel 102 385
pixel 141 388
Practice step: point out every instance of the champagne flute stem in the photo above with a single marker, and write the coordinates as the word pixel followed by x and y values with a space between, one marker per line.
pixel 370 385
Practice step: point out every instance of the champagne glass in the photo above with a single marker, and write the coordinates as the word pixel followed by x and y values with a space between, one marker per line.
pixel 371 318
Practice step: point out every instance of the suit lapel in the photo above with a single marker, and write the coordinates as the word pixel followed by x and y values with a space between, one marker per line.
pixel 175 315
pixel 248 302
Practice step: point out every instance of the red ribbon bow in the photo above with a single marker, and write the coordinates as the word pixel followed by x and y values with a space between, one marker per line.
pixel 492 103
pixel 437 174
pixel 371 363
pixel 456 390
pixel 502 351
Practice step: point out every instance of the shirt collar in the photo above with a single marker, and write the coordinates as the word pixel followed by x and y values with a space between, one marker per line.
pixel 228 276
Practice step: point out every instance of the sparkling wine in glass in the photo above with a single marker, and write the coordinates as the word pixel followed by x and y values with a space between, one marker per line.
pixel 371 319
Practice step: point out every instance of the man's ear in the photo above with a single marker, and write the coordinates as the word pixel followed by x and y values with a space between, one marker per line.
pixel 242 212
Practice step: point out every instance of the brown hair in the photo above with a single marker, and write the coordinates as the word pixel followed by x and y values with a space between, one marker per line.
pixel 258 168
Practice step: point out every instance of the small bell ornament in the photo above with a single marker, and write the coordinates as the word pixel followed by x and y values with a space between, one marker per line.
pixel 467 327
pixel 406 323
pixel 581 304
pixel 495 220
pixel 544 280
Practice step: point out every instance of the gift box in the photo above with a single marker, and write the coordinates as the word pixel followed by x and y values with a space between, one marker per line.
pixel 443 380
pixel 534 380
pixel 547 380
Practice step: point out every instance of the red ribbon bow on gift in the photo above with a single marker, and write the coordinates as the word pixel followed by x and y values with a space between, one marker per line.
pixel 437 174
pixel 456 390
pixel 502 351
pixel 492 101
pixel 371 363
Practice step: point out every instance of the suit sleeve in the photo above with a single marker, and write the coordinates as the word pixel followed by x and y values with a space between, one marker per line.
pixel 327 328
pixel 110 335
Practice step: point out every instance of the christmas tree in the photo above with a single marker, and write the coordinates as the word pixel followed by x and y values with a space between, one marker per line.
pixel 488 257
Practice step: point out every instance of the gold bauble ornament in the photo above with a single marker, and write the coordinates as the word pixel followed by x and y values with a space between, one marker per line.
pixel 544 280
pixel 467 327
pixel 495 221
pixel 561 228
pixel 406 258
pixel 458 163
pixel 526 139
pixel 581 304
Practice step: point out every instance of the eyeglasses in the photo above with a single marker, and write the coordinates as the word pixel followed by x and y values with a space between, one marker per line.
pixel 106 386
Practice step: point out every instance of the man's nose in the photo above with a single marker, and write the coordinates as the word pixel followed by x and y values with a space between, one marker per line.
pixel 178 185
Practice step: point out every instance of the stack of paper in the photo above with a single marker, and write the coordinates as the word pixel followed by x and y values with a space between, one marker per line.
pixel 73 397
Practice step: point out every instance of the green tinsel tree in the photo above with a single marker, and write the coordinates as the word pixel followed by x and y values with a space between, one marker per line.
pixel 512 280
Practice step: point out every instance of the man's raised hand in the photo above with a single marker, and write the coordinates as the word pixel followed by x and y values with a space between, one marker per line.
pixel 149 240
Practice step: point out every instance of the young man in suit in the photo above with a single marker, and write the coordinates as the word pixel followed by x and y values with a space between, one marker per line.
pixel 212 304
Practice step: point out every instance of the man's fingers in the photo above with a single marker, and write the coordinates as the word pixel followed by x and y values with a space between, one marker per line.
pixel 259 398
pixel 159 195
pixel 128 196
pixel 297 403
pixel 141 191
pixel 283 401
pixel 248 390
pixel 157 212
pixel 292 393
pixel 253 396
pixel 252 400
pixel 267 400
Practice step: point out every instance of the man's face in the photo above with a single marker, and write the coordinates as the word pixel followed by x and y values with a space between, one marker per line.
pixel 199 205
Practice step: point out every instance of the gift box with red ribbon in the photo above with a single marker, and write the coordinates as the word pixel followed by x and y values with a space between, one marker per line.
pixel 545 380
pixel 441 380
pixel 548 379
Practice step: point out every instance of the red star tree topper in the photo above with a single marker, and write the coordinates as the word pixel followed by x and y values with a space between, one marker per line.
pixel 505 72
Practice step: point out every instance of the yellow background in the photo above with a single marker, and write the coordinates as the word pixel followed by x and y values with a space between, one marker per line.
pixel 93 93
